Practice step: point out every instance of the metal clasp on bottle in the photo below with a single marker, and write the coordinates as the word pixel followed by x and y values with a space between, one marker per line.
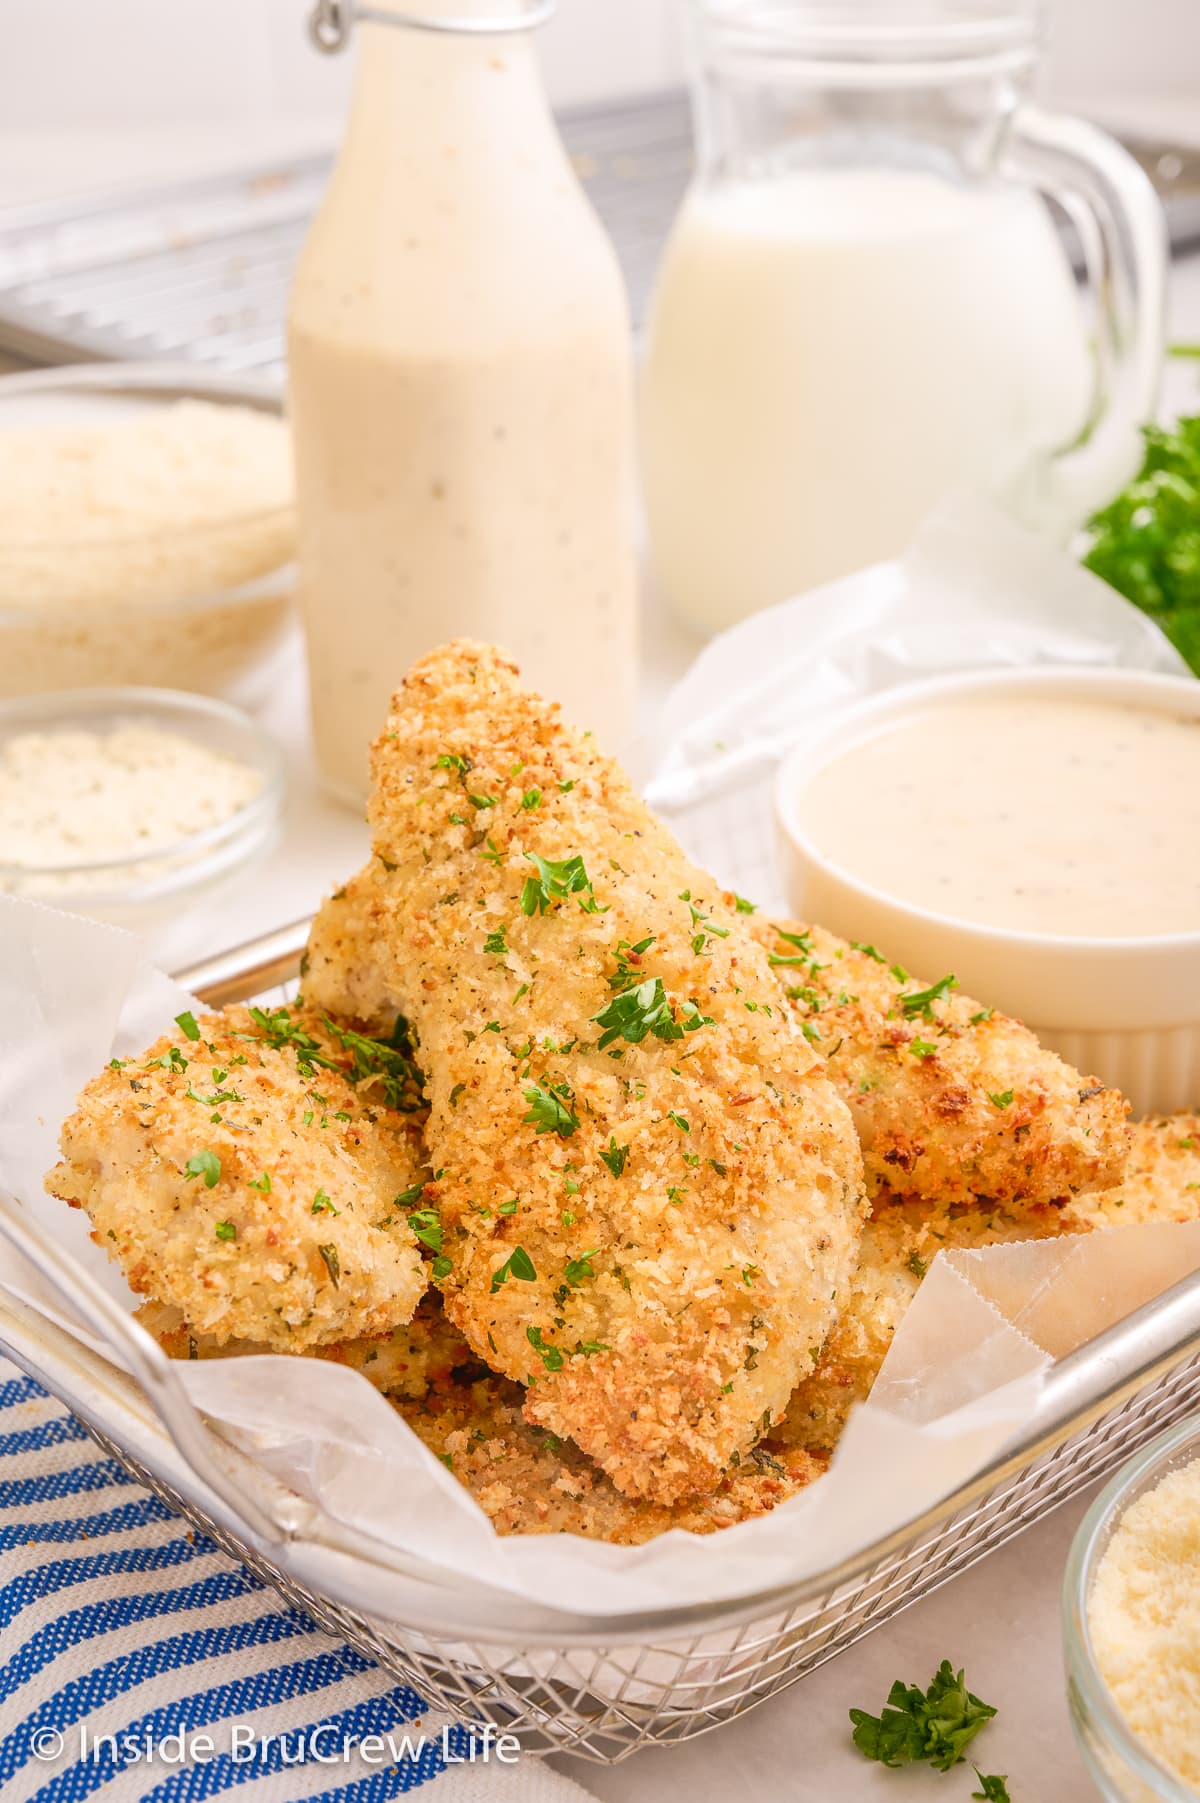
pixel 331 21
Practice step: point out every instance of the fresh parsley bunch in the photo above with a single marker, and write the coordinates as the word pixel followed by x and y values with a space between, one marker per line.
pixel 1146 542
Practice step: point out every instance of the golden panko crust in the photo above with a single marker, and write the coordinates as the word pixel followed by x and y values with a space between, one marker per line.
pixel 649 1193
pixel 407 1362
pixel 527 1481
pixel 1162 1178
pixel 899 1244
pixel 950 1099
pixel 253 1190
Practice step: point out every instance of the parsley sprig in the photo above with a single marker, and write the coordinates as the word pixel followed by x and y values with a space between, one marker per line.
pixel 644 1009
pixel 550 1108
pixel 1146 543
pixel 932 1727
pixel 517 1264
pixel 556 880
pixel 921 1000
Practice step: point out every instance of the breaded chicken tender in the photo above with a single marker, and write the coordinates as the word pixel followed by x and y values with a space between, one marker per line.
pixel 951 1099
pixel 408 1361
pixel 238 1175
pixel 528 1481
pixel 899 1244
pixel 1162 1178
pixel 1162 1183
pixel 649 1193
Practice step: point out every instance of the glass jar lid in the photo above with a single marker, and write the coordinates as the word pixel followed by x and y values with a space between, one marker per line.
pixel 995 33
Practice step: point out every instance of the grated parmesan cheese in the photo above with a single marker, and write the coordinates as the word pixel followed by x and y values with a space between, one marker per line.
pixel 1144 1616
pixel 74 797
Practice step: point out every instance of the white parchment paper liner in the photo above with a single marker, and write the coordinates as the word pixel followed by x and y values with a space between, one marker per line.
pixel 961 1379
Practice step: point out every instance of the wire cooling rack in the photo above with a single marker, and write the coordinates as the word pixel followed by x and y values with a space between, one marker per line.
pixel 201 268
pixel 603 1688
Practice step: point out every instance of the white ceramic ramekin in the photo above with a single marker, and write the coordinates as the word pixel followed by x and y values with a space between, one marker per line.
pixel 1126 1010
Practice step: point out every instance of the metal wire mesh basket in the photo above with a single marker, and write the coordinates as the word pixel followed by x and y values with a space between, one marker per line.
pixel 598 1689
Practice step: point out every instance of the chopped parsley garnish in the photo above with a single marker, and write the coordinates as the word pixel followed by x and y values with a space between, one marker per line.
pixel 510 1207
pixel 635 1012
pixel 492 854
pixel 565 787
pixel 186 1022
pixel 332 1264
pixel 550 1356
pixel 480 802
pixel 916 1264
pixel 932 1727
pixel 426 1223
pixel 557 879
pixel 683 1124
pixel 385 1061
pixel 171 1060
pixel 869 950
pixel 262 1182
pixel 517 1264
pixel 531 799
pixel 225 1230
pixel 576 1270
pixel 1002 1098
pixel 743 906
pixel 983 1014
pixel 441 1267
pixel 708 927
pixel 626 976
pixel 615 1156
pixel 215 1100
pixel 550 1109
pixel 204 1164
pixel 496 944
pixel 321 1205
pixel 922 1048
pixel 449 760
pixel 921 1000
pixel 408 1196
pixel 803 953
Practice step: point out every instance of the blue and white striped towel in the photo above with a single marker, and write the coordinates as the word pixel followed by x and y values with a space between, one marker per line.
pixel 117 1620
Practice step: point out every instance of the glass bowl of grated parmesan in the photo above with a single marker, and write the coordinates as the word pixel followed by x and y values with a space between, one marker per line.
pixel 147 528
pixel 1131 1626
pixel 125 803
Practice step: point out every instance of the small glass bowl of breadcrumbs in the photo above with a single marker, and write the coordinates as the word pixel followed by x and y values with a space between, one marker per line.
pixel 147 529
pixel 126 804
pixel 1131 1626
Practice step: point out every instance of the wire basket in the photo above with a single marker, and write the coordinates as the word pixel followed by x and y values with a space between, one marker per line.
pixel 604 1689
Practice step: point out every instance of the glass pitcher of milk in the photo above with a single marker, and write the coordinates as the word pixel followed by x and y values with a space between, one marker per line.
pixel 460 384
pixel 865 304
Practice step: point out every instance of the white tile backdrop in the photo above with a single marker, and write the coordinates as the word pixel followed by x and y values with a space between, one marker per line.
pixel 93 63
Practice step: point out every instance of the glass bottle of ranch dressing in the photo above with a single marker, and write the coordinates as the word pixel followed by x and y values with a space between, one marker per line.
pixel 460 385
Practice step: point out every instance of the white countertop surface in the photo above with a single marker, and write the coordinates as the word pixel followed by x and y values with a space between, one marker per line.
pixel 1000 1621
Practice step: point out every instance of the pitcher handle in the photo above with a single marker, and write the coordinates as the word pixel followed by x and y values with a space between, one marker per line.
pixel 1127 255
